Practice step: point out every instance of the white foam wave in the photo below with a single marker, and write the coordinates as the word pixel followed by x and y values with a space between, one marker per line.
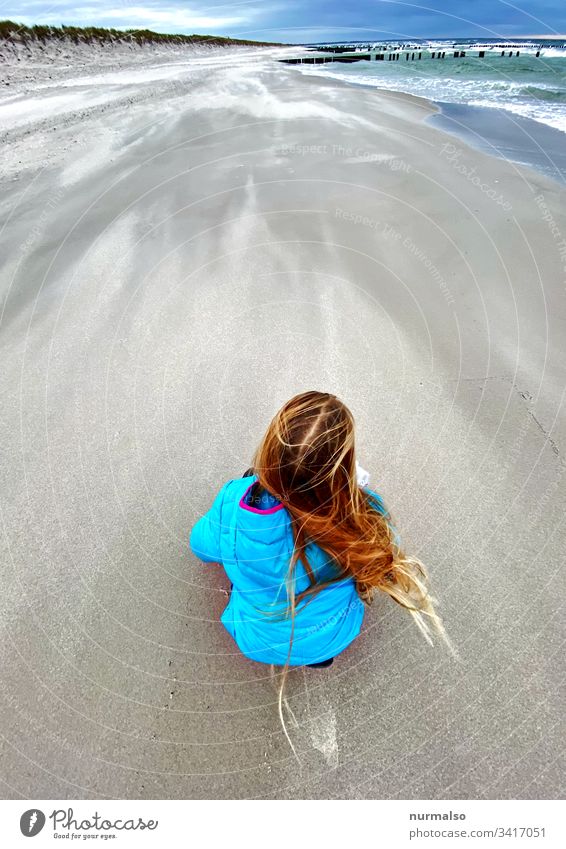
pixel 497 94
pixel 551 116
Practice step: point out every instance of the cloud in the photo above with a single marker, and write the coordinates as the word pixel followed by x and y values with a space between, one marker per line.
pixel 172 17
pixel 164 18
pixel 302 20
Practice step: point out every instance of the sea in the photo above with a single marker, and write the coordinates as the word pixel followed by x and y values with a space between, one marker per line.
pixel 513 105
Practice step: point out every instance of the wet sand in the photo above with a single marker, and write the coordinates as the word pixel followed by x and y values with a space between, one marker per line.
pixel 507 135
pixel 179 259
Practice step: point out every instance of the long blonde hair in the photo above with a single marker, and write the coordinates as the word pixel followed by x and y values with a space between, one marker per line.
pixel 307 460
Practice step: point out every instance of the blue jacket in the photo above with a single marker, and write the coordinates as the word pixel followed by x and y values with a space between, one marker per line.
pixel 254 543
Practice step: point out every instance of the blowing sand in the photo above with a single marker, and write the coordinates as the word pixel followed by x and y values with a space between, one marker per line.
pixel 181 255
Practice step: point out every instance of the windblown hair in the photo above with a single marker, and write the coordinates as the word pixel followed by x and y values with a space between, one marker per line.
pixel 307 460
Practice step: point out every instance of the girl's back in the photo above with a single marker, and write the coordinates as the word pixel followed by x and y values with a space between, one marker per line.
pixel 250 533
pixel 303 544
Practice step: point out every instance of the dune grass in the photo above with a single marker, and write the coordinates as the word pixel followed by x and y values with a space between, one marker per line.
pixel 10 30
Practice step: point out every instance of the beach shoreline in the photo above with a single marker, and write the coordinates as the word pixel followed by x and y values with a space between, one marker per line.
pixel 182 255
pixel 490 129
pixel 512 137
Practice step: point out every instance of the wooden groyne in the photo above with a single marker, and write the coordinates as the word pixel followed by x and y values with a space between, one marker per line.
pixel 341 54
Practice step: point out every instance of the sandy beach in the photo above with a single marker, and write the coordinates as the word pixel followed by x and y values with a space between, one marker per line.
pixel 186 245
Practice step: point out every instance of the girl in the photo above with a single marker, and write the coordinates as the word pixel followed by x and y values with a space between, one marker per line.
pixel 304 545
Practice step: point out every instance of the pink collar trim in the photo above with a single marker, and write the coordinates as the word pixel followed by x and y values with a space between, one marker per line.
pixel 245 506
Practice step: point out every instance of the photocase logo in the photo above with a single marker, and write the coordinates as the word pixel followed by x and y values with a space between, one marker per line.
pixel 32 822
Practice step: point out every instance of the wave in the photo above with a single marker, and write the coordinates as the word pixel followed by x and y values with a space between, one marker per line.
pixel 554 119
pixel 555 95
pixel 540 100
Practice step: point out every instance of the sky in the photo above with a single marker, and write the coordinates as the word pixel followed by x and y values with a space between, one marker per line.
pixel 303 20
